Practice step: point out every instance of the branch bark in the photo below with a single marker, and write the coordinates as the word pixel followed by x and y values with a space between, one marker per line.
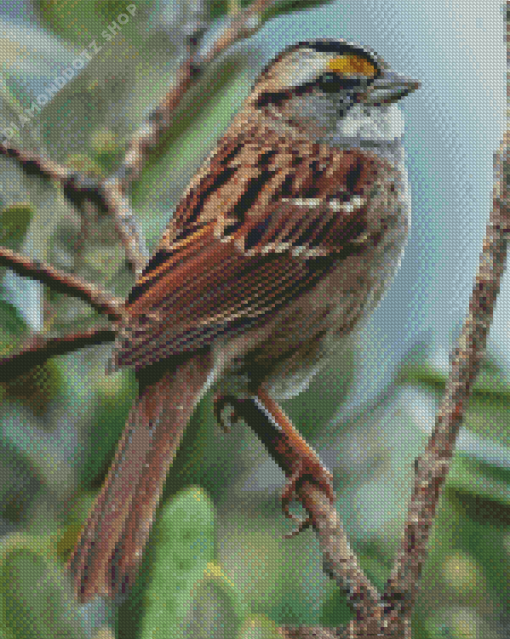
pixel 340 563
pixel 40 349
pixel 62 282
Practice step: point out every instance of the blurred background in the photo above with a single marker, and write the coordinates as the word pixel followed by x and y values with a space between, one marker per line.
pixel 217 565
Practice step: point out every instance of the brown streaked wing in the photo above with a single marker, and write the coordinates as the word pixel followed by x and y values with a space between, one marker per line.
pixel 204 286
pixel 242 244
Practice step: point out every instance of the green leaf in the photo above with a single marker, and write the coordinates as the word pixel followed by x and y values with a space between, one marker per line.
pixel 335 610
pixel 11 321
pixel 182 545
pixel 484 488
pixel 259 627
pixel 216 609
pixel 91 17
pixel 283 7
pixel 114 396
pixel 12 328
pixel 488 411
pixel 14 222
pixel 219 8
pixel 35 600
pixel 315 407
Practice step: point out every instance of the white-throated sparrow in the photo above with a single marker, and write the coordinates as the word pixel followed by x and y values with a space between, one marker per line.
pixel 283 242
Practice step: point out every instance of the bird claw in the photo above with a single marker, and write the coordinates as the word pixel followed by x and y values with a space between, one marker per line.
pixel 219 403
pixel 311 470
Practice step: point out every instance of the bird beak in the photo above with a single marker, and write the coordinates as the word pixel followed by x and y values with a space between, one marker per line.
pixel 388 88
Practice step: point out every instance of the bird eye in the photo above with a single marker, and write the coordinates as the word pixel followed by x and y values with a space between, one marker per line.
pixel 333 82
pixel 330 82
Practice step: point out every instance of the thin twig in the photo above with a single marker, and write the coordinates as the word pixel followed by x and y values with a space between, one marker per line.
pixel 126 224
pixel 40 349
pixel 307 632
pixel 62 282
pixel 241 25
pixel 79 188
pixel 196 25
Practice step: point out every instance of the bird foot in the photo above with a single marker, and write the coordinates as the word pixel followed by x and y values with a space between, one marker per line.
pixel 312 470
pixel 219 403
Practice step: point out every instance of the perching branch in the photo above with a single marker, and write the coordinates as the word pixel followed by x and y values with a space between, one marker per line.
pixel 340 563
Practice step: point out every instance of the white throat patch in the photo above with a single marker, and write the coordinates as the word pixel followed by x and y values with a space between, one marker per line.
pixel 372 124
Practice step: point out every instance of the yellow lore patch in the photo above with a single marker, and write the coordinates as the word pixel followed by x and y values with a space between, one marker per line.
pixel 352 64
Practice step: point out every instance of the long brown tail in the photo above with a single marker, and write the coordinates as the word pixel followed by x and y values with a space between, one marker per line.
pixel 108 553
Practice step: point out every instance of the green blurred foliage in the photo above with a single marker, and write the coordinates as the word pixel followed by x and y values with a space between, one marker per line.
pixel 86 19
pixel 14 221
pixel 258 627
pixel 13 328
pixel 488 412
pixel 35 599
pixel 181 548
pixel 216 610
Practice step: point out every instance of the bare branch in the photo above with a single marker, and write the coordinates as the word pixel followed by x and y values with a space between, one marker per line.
pixel 433 466
pixel 62 282
pixel 125 224
pixel 308 632
pixel 241 25
pixel 40 349
pixel 196 24
pixel 79 188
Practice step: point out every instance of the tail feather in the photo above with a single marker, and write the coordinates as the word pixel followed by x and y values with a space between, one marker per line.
pixel 107 556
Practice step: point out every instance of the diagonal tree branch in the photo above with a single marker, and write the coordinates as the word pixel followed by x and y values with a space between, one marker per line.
pixel 79 188
pixel 62 282
pixel 340 563
pixel 40 349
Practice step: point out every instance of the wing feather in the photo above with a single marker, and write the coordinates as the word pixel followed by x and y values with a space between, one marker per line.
pixel 214 274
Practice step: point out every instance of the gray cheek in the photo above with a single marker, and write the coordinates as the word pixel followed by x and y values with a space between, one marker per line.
pixel 343 104
pixel 327 109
